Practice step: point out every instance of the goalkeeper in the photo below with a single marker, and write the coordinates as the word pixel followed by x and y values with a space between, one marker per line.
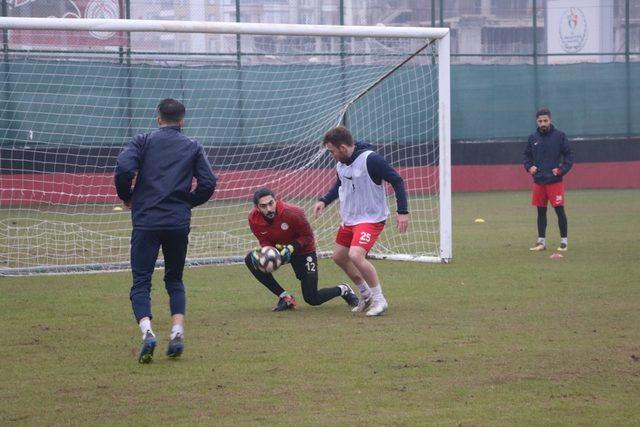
pixel 283 225
pixel 163 163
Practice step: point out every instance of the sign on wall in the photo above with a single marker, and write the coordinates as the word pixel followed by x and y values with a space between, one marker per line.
pixel 71 9
pixel 579 27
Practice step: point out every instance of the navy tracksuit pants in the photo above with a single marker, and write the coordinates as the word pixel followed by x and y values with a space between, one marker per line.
pixel 145 245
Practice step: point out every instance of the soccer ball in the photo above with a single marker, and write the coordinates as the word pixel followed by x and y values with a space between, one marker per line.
pixel 269 259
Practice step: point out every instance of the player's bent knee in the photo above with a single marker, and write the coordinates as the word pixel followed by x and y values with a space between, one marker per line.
pixel 141 285
pixel 139 293
pixel 248 262
pixel 173 287
pixel 339 259
pixel 311 299
pixel 357 256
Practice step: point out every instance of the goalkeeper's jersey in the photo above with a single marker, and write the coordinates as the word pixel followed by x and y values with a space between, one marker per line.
pixel 288 226
pixel 361 199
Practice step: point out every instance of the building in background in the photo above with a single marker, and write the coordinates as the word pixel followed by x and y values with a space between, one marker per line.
pixel 483 31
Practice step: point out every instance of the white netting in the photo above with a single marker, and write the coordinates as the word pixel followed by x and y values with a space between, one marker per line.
pixel 260 114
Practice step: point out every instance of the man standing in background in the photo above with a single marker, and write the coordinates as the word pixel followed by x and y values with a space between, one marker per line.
pixel 548 158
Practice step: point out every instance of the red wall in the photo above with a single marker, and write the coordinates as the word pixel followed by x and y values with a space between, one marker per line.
pixel 61 188
pixel 513 177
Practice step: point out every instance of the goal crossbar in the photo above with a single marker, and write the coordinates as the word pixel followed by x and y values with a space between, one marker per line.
pixel 139 25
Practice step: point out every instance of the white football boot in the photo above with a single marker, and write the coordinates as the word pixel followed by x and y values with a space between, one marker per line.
pixel 363 304
pixel 378 307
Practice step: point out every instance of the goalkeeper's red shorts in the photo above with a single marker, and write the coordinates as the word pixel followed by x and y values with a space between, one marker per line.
pixel 363 235
pixel 548 193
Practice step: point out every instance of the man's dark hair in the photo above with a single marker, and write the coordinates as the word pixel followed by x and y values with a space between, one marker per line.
pixel 338 136
pixel 260 193
pixel 171 110
pixel 543 112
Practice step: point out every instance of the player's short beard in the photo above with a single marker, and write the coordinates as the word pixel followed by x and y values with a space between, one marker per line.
pixel 344 158
pixel 270 215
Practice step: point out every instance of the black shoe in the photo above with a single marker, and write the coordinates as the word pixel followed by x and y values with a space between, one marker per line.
pixel 175 347
pixel 350 297
pixel 287 302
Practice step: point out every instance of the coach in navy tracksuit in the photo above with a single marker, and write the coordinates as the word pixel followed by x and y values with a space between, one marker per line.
pixel 163 163
pixel 548 158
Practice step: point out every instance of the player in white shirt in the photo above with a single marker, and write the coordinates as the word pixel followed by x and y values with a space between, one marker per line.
pixel 363 209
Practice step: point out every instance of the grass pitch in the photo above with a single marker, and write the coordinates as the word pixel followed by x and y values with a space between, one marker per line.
pixel 500 336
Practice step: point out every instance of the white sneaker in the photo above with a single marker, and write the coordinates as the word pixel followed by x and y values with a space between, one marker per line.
pixel 378 307
pixel 538 247
pixel 363 304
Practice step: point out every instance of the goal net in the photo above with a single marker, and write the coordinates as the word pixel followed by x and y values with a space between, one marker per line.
pixel 259 98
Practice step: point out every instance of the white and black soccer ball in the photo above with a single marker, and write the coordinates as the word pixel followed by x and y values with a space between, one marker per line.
pixel 269 259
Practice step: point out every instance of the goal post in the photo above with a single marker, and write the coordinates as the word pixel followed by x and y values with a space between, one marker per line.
pixel 259 97
pixel 444 136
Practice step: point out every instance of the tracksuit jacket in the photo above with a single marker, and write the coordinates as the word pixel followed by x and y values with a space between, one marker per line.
pixel 547 151
pixel 164 163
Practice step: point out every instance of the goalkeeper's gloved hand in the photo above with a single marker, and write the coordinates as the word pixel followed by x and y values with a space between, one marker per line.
pixel 255 257
pixel 285 252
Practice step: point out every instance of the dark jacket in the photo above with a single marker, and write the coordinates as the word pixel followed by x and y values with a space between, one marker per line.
pixel 163 163
pixel 379 169
pixel 548 151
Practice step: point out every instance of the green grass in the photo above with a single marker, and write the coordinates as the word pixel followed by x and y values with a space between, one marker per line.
pixel 501 336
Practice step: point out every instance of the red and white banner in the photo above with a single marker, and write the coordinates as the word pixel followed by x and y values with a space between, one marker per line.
pixel 71 9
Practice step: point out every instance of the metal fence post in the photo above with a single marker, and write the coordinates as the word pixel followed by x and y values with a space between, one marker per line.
pixel 535 32
pixel 5 33
pixel 240 77
pixel 433 13
pixel 627 58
